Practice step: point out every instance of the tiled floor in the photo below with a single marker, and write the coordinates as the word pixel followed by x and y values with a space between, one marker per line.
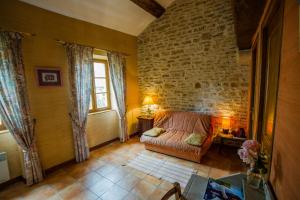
pixel 105 176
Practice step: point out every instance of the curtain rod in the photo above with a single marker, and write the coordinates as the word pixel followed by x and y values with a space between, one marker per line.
pixel 64 42
pixel 22 33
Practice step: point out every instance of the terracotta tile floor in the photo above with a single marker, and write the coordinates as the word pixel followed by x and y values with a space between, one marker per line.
pixel 106 177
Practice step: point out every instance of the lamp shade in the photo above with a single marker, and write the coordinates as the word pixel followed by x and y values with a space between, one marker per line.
pixel 148 100
pixel 225 122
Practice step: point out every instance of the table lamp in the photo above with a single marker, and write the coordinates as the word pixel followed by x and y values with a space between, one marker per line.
pixel 148 101
pixel 225 124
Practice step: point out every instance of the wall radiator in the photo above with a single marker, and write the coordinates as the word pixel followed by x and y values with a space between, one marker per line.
pixel 4 173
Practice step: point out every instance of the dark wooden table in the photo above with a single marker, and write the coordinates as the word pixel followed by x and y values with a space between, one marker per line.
pixel 144 124
pixel 228 137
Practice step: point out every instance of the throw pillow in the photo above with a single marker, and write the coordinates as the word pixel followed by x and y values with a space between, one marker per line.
pixel 195 139
pixel 154 132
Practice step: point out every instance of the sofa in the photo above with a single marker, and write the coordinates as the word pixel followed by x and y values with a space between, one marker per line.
pixel 178 125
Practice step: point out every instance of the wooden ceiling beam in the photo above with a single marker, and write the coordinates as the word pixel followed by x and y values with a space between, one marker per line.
pixel 151 6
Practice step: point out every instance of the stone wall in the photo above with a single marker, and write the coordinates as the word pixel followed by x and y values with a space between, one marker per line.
pixel 189 60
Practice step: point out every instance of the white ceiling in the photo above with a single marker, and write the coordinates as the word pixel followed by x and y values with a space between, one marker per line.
pixel 120 15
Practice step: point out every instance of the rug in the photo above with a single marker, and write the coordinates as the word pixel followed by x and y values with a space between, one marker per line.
pixel 162 169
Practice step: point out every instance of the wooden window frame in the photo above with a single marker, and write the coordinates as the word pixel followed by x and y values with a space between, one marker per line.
pixel 2 127
pixel 93 93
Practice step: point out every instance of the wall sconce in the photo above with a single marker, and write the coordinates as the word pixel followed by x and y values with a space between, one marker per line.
pixel 226 124
pixel 148 101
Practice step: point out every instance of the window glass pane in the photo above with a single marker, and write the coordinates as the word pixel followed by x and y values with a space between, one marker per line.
pixel 100 85
pixel 99 69
pixel 101 100
pixel 91 104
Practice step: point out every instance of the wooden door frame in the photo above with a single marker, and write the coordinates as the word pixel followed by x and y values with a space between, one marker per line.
pixel 278 9
pixel 260 40
pixel 251 99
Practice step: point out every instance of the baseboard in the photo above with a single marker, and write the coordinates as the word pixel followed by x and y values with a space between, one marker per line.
pixel 56 167
pixel 73 161
pixel 104 144
pixel 59 166
pixel 11 181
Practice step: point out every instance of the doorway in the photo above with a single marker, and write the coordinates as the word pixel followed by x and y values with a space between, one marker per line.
pixel 272 38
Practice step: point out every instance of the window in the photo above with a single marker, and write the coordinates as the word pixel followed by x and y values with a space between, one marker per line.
pixel 100 96
pixel 2 127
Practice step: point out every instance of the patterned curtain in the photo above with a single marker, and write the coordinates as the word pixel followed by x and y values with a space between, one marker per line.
pixel 117 65
pixel 80 59
pixel 14 107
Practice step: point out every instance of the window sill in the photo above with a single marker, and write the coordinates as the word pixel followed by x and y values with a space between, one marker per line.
pixel 4 131
pixel 100 112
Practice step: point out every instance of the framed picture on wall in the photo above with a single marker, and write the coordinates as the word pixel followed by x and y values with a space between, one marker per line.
pixel 48 77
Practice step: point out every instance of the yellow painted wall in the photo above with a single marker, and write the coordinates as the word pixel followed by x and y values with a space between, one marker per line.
pixel 50 106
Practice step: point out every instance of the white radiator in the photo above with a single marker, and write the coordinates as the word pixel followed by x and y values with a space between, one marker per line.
pixel 4 173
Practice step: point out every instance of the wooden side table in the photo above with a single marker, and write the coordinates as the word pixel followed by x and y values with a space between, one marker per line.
pixel 225 137
pixel 144 124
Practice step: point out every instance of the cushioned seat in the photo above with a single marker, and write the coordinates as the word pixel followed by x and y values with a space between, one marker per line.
pixel 178 126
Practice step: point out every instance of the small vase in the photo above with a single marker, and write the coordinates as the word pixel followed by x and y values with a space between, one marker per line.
pixel 253 179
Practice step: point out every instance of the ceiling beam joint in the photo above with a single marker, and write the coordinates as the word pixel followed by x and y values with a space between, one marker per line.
pixel 150 6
